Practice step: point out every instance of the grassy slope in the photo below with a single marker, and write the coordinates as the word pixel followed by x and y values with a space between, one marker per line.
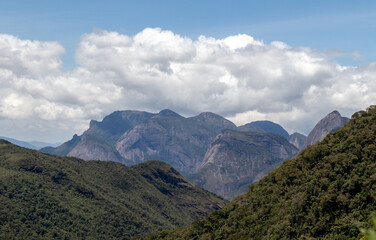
pixel 327 192
pixel 44 197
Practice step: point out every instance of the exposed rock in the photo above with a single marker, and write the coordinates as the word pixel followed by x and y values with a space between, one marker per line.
pixel 330 123
pixel 92 148
pixel 297 139
pixel 264 126
pixel 235 159
pixel 216 122
pixel 115 124
pixel 181 142
pixel 64 148
pixel 108 131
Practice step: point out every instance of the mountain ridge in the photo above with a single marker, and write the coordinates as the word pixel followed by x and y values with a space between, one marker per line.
pixel 49 197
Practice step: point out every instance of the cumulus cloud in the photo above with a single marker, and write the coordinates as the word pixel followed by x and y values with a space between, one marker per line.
pixel 239 77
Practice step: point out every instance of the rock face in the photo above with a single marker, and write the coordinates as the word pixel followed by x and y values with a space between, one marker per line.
pixel 98 142
pixel 237 159
pixel 93 148
pixel 181 142
pixel 63 149
pixel 330 123
pixel 264 126
pixel 297 139
pixel 132 137
pixel 115 124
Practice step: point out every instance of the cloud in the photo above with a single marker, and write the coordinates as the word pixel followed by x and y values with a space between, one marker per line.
pixel 162 69
pixel 26 57
pixel 238 77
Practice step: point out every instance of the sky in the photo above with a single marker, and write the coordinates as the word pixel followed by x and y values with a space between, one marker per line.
pixel 63 63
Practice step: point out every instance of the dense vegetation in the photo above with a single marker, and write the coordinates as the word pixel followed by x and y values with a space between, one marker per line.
pixel 327 192
pixel 45 197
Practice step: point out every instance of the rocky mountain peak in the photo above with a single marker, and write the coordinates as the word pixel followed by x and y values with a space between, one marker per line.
pixel 168 113
pixel 209 115
pixel 297 139
pixel 264 126
pixel 330 123
pixel 214 120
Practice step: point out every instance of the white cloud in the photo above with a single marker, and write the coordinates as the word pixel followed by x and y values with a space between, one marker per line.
pixel 238 77
pixel 26 57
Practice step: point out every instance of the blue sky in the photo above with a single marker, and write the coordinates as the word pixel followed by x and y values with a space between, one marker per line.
pixel 323 25
pixel 63 63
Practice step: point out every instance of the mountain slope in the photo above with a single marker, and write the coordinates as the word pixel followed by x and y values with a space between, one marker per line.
pixel 327 192
pixel 235 159
pixel 132 137
pixel 181 142
pixel 49 197
pixel 90 147
pixel 330 123
pixel 63 149
pixel 297 139
pixel 115 124
pixel 264 126
pixel 107 131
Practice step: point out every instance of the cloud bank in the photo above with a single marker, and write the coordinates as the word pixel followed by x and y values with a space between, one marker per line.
pixel 238 77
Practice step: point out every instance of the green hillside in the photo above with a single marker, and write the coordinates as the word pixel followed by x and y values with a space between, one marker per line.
pixel 327 192
pixel 46 197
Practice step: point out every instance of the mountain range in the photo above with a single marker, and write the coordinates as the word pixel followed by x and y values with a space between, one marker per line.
pixel 208 149
pixel 45 196
pixel 50 197
pixel 327 192
pixel 32 145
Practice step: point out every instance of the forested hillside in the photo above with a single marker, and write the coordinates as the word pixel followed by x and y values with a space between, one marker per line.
pixel 50 197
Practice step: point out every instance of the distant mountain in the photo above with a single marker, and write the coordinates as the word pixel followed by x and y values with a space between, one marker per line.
pixel 101 136
pixel 249 128
pixel 39 145
pixel 32 145
pixel 330 123
pixel 180 142
pixel 19 143
pixel 236 159
pixel 264 126
pixel 115 124
pixel 63 149
pixel 50 197
pixel 132 137
pixel 327 192
pixel 297 139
